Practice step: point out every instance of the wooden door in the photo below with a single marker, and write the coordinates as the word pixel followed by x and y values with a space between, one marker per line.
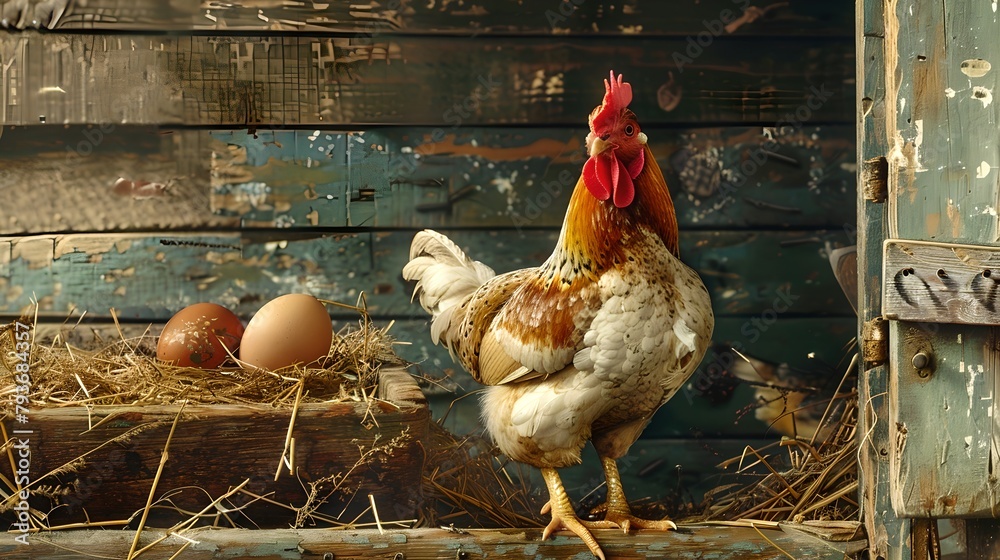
pixel 929 190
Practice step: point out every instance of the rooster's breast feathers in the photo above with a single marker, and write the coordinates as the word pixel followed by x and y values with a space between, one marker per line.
pixel 533 323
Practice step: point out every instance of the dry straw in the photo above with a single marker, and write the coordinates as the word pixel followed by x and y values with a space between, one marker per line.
pixel 797 479
pixel 72 369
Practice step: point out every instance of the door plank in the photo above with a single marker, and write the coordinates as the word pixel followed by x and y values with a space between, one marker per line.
pixel 942 156
pixel 888 534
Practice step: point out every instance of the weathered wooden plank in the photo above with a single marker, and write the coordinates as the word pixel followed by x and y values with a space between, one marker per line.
pixel 245 442
pixel 888 535
pixel 523 177
pixel 725 543
pixel 942 159
pixel 309 80
pixel 940 282
pixel 598 17
pixel 944 395
pixel 944 107
pixel 149 276
pixel 100 14
pixel 105 178
pixel 400 177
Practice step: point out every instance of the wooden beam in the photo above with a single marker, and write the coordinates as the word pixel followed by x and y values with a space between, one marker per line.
pixel 941 282
pixel 315 81
pixel 400 177
pixel 888 534
pixel 593 17
pixel 150 276
pixel 690 542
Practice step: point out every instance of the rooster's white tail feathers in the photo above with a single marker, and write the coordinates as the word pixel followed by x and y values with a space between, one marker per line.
pixel 446 277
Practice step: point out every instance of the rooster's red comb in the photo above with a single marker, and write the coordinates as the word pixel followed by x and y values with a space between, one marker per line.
pixel 617 96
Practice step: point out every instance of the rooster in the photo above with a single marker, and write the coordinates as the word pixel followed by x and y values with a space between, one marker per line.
pixel 588 345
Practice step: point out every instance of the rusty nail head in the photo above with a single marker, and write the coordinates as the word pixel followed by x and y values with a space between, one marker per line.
pixel 921 360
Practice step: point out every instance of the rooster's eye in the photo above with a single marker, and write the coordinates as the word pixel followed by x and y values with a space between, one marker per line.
pixel 629 130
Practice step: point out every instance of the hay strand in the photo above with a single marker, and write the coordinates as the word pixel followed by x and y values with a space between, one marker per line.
pixel 288 435
pixel 156 481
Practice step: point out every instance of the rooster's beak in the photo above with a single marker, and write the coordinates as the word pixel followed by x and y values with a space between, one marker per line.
pixel 596 145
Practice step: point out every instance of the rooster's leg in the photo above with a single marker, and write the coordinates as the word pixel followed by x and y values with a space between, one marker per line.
pixel 563 515
pixel 617 511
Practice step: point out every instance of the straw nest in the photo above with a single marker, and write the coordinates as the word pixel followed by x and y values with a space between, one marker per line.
pixel 70 368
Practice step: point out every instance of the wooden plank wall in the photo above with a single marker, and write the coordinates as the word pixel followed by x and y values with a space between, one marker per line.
pixel 155 154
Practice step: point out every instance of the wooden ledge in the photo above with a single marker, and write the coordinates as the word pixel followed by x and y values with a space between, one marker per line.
pixel 691 541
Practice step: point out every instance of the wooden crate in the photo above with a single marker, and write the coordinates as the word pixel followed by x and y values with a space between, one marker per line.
pixel 376 446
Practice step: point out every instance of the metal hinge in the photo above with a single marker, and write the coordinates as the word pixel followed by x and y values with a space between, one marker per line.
pixel 875 342
pixel 875 179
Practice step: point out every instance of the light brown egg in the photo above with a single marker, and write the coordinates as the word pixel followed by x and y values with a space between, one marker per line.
pixel 198 336
pixel 291 329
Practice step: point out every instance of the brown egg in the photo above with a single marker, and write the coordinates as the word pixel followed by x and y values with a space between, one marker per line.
pixel 199 335
pixel 291 329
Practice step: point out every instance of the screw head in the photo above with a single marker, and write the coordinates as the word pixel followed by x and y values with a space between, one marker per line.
pixel 921 360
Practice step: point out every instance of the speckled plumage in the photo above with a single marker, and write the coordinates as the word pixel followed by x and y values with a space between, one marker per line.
pixel 590 343
pixel 586 346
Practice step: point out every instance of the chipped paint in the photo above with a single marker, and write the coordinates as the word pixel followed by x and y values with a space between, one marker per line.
pixel 975 67
pixel 559 152
pixel 970 387
pixel 983 170
pixel 949 93
pixel 954 217
pixel 932 223
pixel 91 245
pixel 984 95
pixel 37 252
